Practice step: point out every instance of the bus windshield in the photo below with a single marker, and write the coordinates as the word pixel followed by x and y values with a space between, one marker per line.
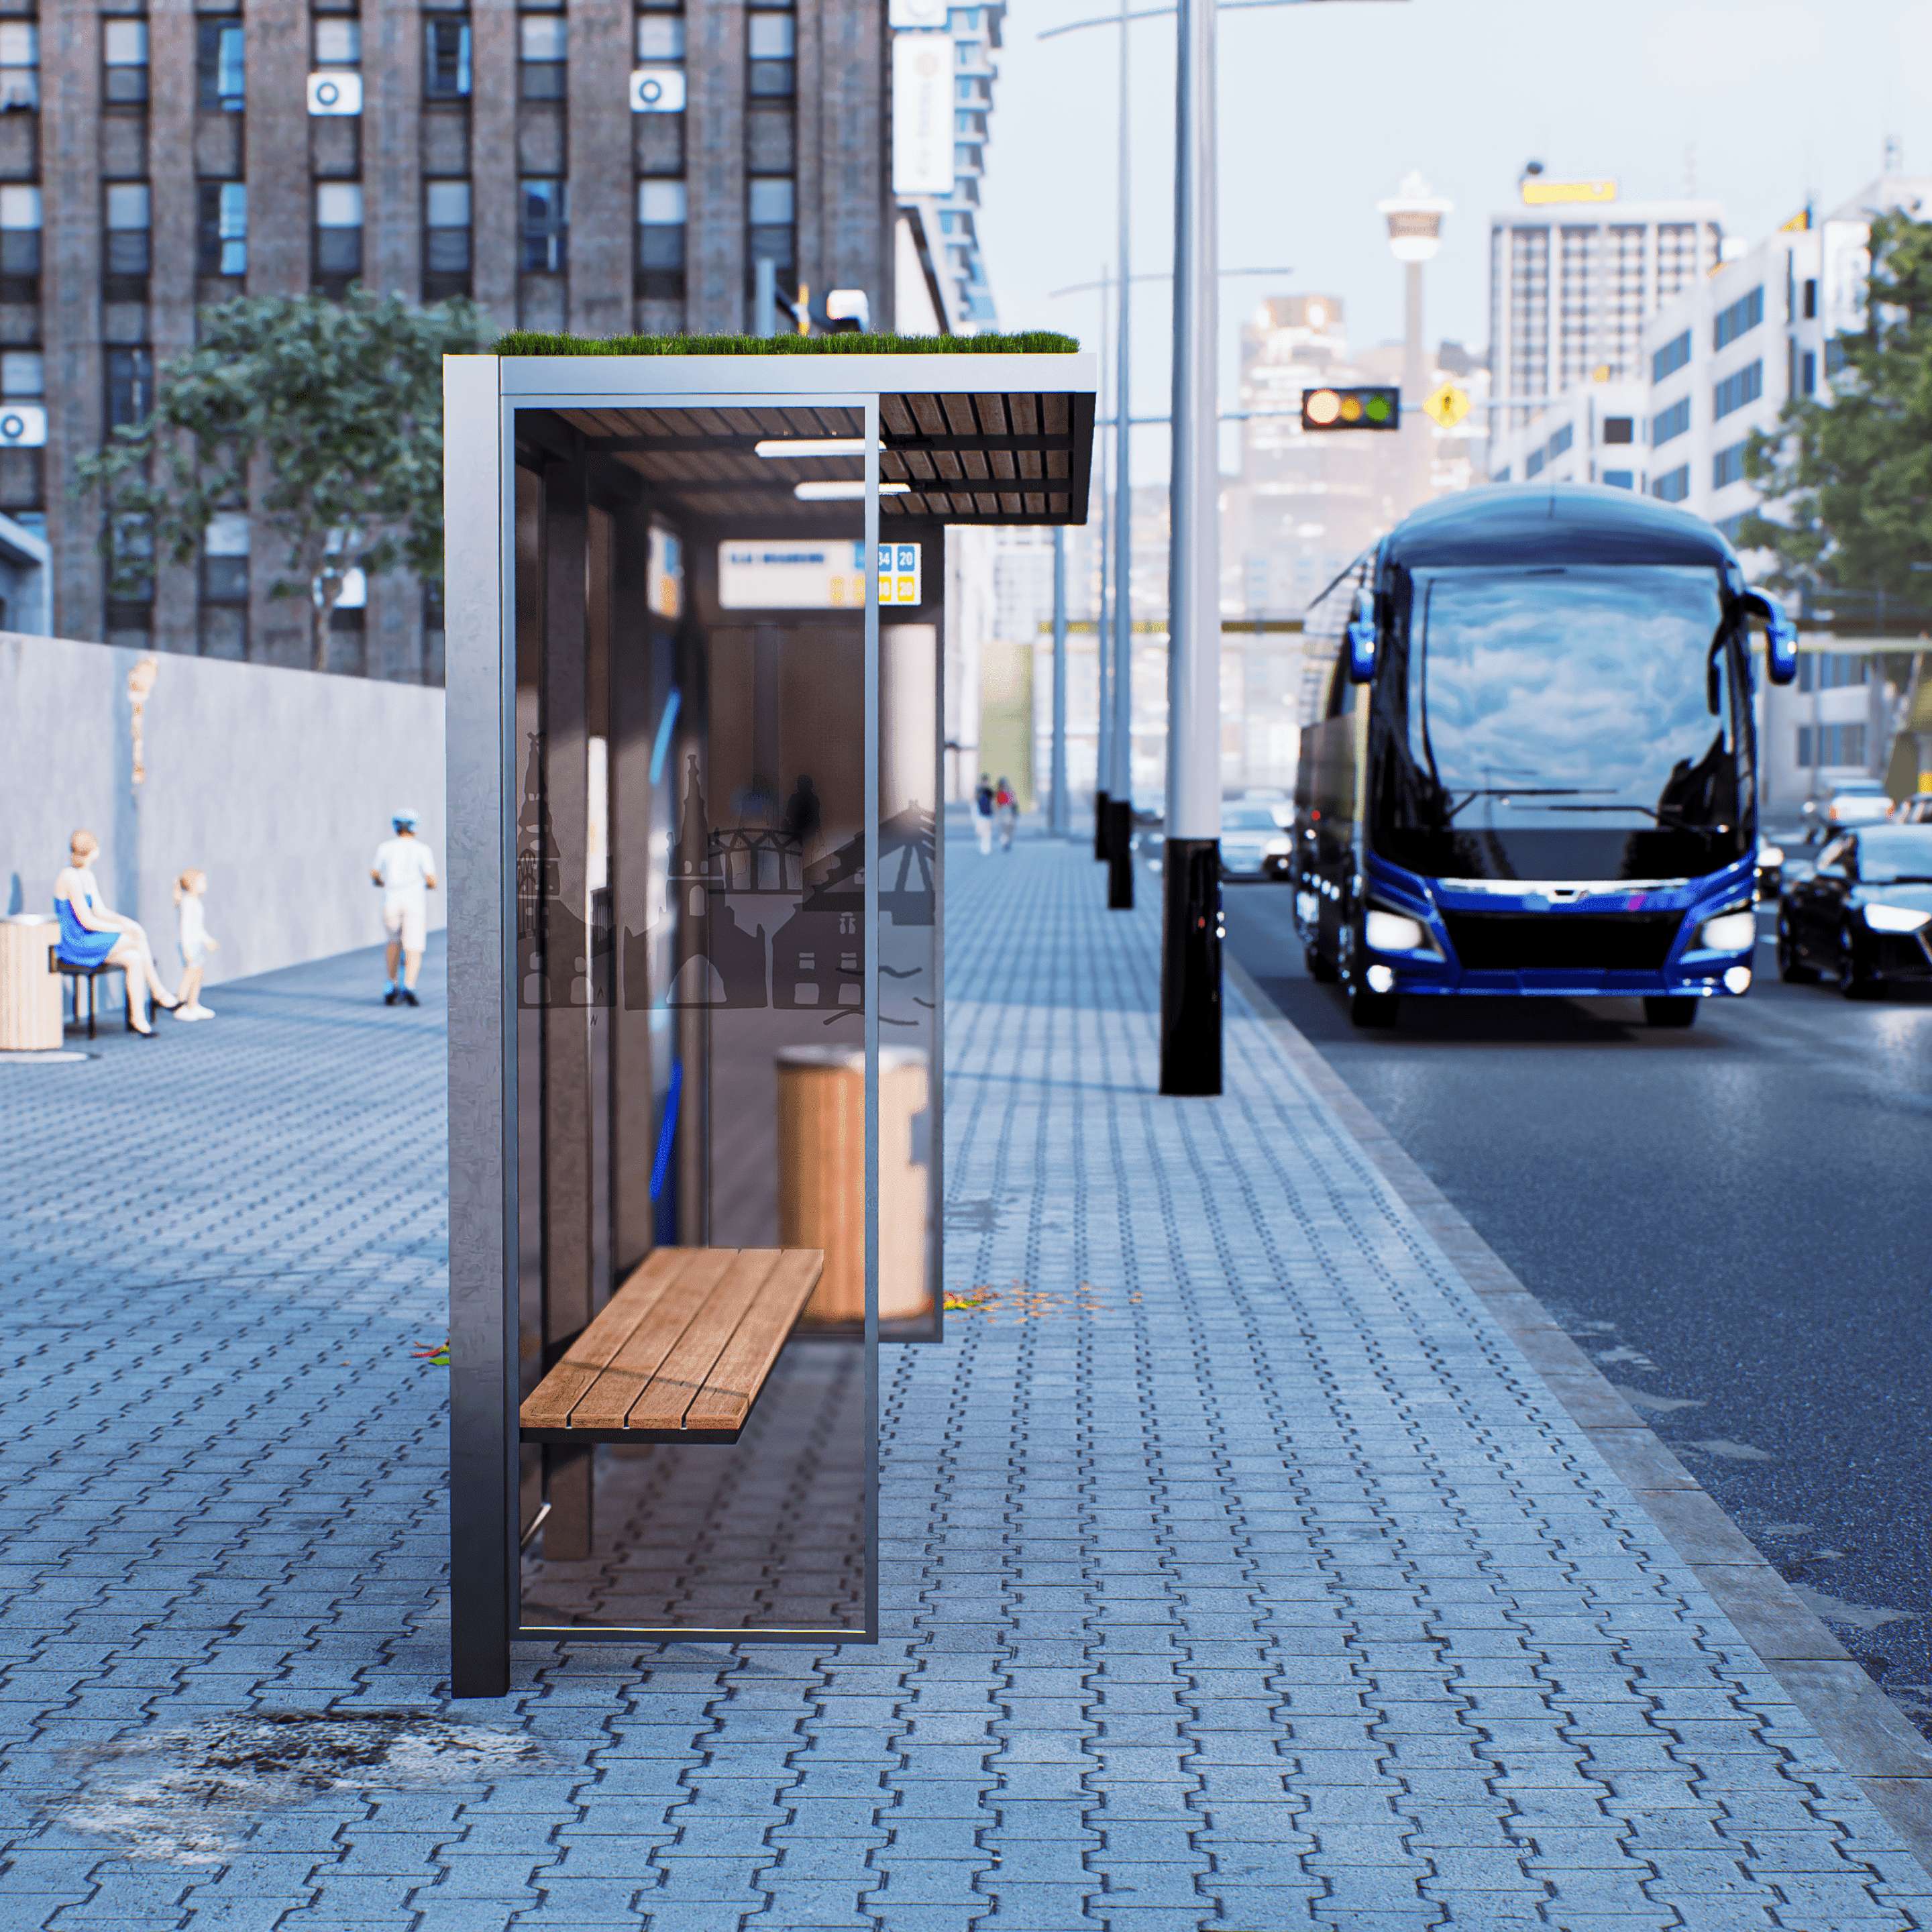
pixel 1594 700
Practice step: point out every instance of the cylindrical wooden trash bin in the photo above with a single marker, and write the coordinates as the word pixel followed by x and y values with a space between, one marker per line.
pixel 822 1176
pixel 30 990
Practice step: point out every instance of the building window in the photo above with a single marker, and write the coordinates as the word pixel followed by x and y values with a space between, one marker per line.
pixel 543 39
pixel 1738 318
pixel 130 387
pixel 1673 486
pixel 20 232
pixel 1832 671
pixel 222 229
pixel 338 41
pixel 546 226
pixel 770 207
pixel 1671 357
pixel 224 558
pixel 338 230
pixel 446 60
pixel 1671 422
pixel 1533 463
pixel 1727 466
pixel 1561 440
pixel 1831 745
pixel 1621 479
pixel 1808 372
pixel 1741 386
pixel 218 68
pixel 1810 299
pixel 124 59
pixel 23 375
pixel 128 205
pixel 660 225
pixel 1619 429
pixel 446 228
pixel 771 46
pixel 661 38
pixel 131 558
pixel 19 64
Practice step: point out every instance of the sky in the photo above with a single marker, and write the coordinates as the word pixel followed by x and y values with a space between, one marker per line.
pixel 1324 108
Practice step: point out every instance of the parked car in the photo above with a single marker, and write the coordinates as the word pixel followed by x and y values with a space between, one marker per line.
pixel 1862 915
pixel 1916 810
pixel 1253 845
pixel 1852 802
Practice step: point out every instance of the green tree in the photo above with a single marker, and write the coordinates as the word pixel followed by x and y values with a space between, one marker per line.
pixel 332 411
pixel 1846 479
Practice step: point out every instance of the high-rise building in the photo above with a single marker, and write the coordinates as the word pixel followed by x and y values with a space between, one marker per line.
pixel 608 166
pixel 1575 274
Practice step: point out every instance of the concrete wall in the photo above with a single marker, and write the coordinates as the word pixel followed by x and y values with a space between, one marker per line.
pixel 278 783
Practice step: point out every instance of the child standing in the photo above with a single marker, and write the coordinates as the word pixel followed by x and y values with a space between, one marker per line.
pixel 191 925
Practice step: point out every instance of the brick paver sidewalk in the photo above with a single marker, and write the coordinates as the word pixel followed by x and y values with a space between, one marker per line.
pixel 1239 1574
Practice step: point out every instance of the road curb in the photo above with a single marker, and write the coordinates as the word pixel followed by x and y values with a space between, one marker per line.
pixel 1873 1741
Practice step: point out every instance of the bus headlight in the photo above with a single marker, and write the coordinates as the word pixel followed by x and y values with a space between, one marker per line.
pixel 1771 855
pixel 1393 932
pixel 1737 978
pixel 1730 932
pixel 1894 919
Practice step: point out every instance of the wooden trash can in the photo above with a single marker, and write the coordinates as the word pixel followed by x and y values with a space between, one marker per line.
pixel 30 989
pixel 822 1176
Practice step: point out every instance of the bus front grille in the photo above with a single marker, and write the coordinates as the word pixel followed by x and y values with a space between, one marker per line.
pixel 1524 942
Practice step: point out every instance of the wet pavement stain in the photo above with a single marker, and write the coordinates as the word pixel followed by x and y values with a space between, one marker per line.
pixel 1732 1451
pixel 187 1795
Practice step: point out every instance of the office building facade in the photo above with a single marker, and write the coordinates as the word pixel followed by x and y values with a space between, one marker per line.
pixel 1575 274
pixel 610 166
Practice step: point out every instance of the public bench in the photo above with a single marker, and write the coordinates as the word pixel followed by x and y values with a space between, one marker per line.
pixel 679 1353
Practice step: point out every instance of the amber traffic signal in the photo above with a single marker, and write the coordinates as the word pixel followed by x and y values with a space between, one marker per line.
pixel 1351 409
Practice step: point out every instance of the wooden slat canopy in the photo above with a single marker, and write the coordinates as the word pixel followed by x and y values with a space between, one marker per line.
pixel 998 458
pixel 680 1352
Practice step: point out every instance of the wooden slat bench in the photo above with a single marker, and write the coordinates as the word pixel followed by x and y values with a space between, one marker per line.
pixel 679 1353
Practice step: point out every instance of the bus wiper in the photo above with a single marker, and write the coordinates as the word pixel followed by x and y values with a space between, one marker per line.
pixel 1672 821
pixel 1526 791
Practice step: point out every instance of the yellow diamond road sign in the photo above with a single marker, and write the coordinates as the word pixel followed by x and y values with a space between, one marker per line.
pixel 1447 404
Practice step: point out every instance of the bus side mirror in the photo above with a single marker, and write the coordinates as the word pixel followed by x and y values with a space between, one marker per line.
pixel 1361 640
pixel 1781 635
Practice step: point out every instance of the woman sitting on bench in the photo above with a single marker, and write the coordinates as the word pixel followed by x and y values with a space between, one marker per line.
pixel 92 937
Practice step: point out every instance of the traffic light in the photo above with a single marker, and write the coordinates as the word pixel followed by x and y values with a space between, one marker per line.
pixel 1351 409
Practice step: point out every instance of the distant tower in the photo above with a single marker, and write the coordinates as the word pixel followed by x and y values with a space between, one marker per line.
pixel 1415 218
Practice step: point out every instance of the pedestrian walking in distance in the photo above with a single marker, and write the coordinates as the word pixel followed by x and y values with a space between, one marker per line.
pixel 405 868
pixel 196 943
pixel 1007 810
pixel 983 815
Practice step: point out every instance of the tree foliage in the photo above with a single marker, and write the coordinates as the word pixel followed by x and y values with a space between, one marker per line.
pixel 323 419
pixel 1846 478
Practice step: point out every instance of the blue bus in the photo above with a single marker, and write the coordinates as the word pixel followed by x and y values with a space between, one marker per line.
pixel 1531 765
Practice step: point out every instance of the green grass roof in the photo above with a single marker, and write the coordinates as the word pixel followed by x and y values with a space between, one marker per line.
pixel 1029 342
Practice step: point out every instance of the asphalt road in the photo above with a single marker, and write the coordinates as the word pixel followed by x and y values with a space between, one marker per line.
pixel 1736 1221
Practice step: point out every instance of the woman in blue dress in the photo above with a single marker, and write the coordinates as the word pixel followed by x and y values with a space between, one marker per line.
pixel 91 935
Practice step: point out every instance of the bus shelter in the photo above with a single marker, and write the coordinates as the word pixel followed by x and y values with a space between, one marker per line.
pixel 694 618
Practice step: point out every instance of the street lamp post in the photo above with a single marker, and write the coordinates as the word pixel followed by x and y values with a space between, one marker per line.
pixel 1190 978
pixel 1120 777
pixel 1056 799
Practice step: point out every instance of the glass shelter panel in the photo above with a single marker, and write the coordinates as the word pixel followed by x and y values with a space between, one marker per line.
pixel 697 1378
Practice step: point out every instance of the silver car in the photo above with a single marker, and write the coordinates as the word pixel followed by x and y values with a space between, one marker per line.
pixel 1253 844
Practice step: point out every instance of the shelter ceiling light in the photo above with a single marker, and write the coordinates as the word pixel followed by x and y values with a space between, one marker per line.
pixel 812 446
pixel 843 489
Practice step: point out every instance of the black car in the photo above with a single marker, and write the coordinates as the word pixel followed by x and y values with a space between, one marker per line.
pixel 1862 915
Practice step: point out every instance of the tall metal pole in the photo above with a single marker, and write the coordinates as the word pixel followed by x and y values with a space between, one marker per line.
pixel 1121 774
pixel 1103 713
pixel 1056 801
pixel 1190 979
